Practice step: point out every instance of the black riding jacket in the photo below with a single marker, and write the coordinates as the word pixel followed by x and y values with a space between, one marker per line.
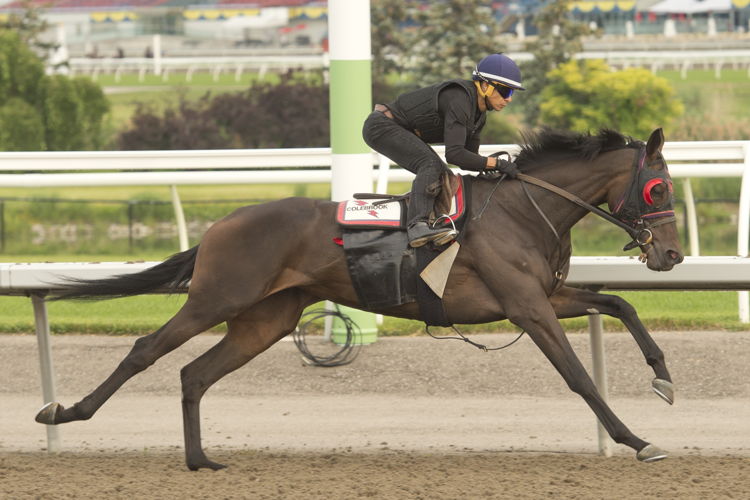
pixel 445 113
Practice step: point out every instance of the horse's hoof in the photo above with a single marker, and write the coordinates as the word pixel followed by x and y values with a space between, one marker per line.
pixel 205 464
pixel 664 389
pixel 651 453
pixel 48 413
pixel 215 466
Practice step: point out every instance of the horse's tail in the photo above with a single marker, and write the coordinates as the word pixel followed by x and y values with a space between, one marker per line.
pixel 169 276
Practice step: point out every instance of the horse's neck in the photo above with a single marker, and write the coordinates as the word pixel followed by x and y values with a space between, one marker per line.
pixel 590 181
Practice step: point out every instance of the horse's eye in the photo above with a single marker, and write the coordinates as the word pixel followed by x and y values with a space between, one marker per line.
pixel 656 192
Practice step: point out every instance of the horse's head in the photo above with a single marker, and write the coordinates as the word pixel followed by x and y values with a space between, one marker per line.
pixel 645 204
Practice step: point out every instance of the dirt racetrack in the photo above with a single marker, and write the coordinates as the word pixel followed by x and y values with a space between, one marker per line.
pixel 410 418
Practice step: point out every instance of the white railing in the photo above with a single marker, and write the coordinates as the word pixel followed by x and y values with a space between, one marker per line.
pixel 684 60
pixel 313 165
pixel 165 66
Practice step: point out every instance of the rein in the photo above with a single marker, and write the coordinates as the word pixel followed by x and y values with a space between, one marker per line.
pixel 633 232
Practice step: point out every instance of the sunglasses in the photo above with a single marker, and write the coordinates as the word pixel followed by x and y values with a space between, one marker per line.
pixel 505 92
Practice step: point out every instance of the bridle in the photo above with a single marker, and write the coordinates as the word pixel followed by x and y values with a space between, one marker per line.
pixel 635 212
pixel 636 205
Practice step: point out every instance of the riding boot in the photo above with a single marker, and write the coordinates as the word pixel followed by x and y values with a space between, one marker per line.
pixel 419 230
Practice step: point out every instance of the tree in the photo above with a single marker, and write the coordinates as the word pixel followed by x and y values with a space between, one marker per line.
pixel 69 111
pixel 21 127
pixel 94 110
pixel 288 115
pixel 29 25
pixel 182 127
pixel 586 95
pixel 390 41
pixel 21 71
pixel 62 110
pixel 452 36
pixel 559 39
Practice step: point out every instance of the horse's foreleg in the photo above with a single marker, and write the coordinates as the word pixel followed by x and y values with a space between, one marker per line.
pixel 191 320
pixel 530 309
pixel 249 334
pixel 571 302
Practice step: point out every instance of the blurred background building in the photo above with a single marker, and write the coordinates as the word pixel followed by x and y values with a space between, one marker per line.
pixel 122 28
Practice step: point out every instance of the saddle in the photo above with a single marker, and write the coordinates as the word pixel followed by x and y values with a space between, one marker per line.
pixel 384 269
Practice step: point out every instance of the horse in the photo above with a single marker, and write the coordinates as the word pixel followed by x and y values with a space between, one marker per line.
pixel 258 268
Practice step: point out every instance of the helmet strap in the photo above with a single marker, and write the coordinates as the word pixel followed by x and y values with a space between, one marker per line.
pixel 482 93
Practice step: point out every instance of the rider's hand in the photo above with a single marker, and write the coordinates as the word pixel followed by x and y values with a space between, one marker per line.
pixel 507 167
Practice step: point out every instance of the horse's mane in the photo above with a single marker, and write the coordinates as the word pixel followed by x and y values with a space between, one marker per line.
pixel 547 144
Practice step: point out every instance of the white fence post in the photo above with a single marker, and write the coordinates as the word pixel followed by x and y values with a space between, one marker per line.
pixel 743 233
pixel 600 378
pixel 179 216
pixel 692 218
pixel 384 167
pixel 45 365
pixel 156 42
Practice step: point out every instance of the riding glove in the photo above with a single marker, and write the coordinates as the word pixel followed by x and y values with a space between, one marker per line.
pixel 508 168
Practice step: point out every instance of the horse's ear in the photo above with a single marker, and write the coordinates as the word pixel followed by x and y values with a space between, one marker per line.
pixel 655 143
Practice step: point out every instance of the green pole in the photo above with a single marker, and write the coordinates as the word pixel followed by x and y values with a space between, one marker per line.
pixel 351 102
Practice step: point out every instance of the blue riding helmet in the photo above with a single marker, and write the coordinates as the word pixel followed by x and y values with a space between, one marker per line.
pixel 498 69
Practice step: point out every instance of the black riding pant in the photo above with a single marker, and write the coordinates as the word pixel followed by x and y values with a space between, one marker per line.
pixel 407 150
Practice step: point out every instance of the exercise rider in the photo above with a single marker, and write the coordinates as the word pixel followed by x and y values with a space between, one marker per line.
pixel 453 113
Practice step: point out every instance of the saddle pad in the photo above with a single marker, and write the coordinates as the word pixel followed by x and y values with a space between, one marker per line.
pixel 364 214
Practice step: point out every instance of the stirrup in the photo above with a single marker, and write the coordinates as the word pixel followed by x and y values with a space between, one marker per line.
pixel 450 236
pixel 425 233
pixel 444 240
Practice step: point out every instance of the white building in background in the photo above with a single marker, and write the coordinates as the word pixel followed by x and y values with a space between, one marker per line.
pixel 98 27
pixel 667 17
pixel 104 28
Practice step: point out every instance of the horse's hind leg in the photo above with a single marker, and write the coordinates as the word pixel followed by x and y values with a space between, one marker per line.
pixel 573 302
pixel 249 334
pixel 194 317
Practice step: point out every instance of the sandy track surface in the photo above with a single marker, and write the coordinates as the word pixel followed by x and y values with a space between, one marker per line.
pixel 410 418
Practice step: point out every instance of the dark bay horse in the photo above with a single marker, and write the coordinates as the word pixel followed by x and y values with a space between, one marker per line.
pixel 259 267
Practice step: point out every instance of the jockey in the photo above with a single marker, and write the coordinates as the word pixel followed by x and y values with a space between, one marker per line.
pixel 453 113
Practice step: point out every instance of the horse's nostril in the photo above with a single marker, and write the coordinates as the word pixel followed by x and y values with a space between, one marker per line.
pixel 675 256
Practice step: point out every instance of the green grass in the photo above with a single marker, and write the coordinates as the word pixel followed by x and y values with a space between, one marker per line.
pixel 162 193
pixel 131 315
pixel 144 314
pixel 87 257
pixel 703 93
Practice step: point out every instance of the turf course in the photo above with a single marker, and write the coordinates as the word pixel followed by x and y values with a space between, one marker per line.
pixel 140 315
